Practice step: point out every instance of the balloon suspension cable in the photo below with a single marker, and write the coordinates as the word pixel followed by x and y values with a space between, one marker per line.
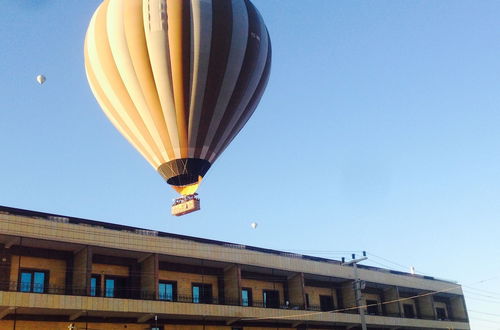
pixel 186 198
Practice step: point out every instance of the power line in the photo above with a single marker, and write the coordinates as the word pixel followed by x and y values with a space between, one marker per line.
pixel 113 233
pixel 481 295
pixel 481 290
pixel 485 313
pixel 387 260
pixel 338 310
pixel 484 300
pixel 365 306
pixel 485 320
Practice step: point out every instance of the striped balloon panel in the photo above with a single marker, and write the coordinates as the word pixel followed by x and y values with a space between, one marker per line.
pixel 178 78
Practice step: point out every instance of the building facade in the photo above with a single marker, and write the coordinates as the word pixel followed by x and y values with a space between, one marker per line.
pixel 59 272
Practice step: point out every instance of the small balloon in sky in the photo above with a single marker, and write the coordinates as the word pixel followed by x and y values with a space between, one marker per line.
pixel 40 79
pixel 253 225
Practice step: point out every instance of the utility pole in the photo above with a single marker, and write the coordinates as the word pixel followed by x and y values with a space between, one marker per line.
pixel 358 285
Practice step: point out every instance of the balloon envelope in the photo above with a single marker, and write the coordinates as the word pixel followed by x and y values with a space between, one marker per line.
pixel 253 225
pixel 40 79
pixel 178 78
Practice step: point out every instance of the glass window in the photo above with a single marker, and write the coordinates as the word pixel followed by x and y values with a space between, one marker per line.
pixel 441 313
pixel 196 294
pixel 372 307
pixel 326 303
pixel 202 293
pixel 25 282
pixel 246 297
pixel 95 286
pixel 32 281
pixel 38 282
pixel 408 310
pixel 271 299
pixel 167 291
pixel 110 288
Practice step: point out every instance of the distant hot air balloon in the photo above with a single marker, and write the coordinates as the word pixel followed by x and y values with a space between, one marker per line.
pixel 253 225
pixel 178 78
pixel 40 79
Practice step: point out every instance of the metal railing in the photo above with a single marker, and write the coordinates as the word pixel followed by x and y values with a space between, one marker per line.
pixel 184 297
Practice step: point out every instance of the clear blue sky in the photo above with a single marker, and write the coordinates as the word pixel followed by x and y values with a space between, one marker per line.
pixel 379 131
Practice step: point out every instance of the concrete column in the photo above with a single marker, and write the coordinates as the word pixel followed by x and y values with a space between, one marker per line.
pixel 296 293
pixel 149 277
pixel 5 263
pixel 458 309
pixel 425 307
pixel 348 296
pixel 232 285
pixel 68 287
pixel 392 309
pixel 82 271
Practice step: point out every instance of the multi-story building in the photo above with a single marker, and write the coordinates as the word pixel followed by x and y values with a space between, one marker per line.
pixel 60 272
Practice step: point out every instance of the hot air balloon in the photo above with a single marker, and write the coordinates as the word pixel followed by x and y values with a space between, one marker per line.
pixel 178 78
pixel 254 225
pixel 40 79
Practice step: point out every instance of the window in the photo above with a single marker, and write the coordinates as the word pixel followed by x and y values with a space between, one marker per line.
pixel 26 282
pixel 202 293
pixel 167 291
pixel 109 288
pixel 95 286
pixel 326 303
pixel 33 281
pixel 271 298
pixel 441 313
pixel 246 297
pixel 115 287
pixel 372 308
pixel 307 300
pixel 408 310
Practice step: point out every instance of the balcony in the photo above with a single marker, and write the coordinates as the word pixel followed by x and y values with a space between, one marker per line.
pixel 72 307
pixel 141 305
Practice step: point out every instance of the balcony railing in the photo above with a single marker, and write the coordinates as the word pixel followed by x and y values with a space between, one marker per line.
pixel 184 297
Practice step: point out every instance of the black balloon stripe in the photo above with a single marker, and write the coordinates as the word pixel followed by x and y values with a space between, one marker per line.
pixel 222 25
pixel 254 101
pixel 248 71
pixel 186 53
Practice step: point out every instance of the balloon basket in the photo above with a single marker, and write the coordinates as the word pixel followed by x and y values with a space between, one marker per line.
pixel 185 204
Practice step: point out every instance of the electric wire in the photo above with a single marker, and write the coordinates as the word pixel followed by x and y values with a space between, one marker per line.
pixel 486 320
pixel 171 246
pixel 178 249
pixel 466 288
pixel 485 313
pixel 482 295
pixel 481 290
pixel 390 261
pixel 113 233
pixel 125 235
pixel 453 287
pixel 484 300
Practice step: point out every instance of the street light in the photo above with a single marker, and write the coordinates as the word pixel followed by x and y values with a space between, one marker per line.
pixel 358 285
